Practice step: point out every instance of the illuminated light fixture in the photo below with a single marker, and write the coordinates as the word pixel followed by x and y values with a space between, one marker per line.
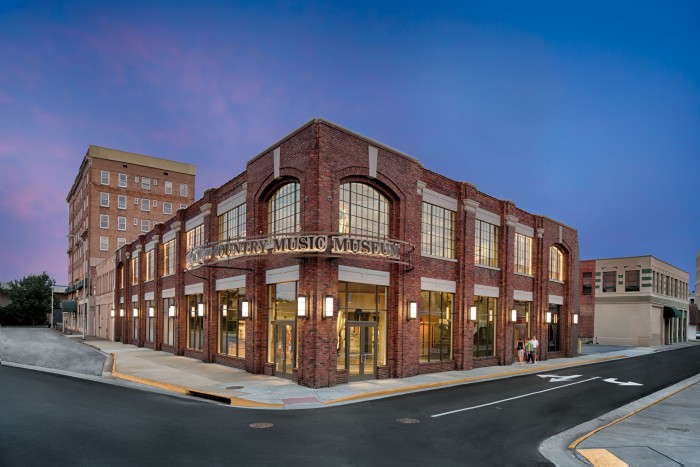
pixel 328 307
pixel 412 310
pixel 490 315
pixel 302 309
pixel 121 312
pixel 111 313
pixel 472 313
pixel 548 317
pixel 171 310
pixel 575 318
pixel 200 309
pixel 513 315
pixel 224 310
pixel 192 311
pixel 150 312
pixel 245 309
pixel 136 312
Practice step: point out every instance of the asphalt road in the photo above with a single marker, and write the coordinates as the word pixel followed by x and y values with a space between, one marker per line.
pixel 50 419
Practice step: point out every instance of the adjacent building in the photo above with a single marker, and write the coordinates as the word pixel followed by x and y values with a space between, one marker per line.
pixel 115 197
pixel 333 258
pixel 633 301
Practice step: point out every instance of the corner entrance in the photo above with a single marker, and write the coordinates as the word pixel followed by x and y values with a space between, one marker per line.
pixel 285 350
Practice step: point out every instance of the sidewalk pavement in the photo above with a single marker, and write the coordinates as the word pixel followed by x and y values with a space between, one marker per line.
pixel 658 430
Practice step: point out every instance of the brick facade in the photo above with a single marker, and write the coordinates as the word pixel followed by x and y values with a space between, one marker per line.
pixel 321 157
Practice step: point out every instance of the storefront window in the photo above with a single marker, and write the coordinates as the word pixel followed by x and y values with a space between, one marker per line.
pixel 169 321
pixel 150 320
pixel 282 335
pixel 435 326
pixel 554 328
pixel 522 321
pixel 485 326
pixel 135 321
pixel 195 322
pixel 231 325
pixel 363 211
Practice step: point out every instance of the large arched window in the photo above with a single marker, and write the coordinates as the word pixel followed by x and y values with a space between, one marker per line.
pixel 556 264
pixel 283 210
pixel 363 211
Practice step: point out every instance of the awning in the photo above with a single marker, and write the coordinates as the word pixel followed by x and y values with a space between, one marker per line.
pixel 672 312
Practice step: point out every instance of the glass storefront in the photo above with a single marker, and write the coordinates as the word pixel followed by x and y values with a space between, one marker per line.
pixel 485 326
pixel 169 321
pixel 195 321
pixel 150 321
pixel 554 328
pixel 435 326
pixel 135 321
pixel 521 326
pixel 282 338
pixel 231 325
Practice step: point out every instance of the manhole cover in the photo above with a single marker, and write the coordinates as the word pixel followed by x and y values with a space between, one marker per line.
pixel 235 387
pixel 261 425
pixel 407 420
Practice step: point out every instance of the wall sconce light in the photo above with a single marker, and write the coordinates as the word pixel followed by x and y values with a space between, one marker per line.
pixel 150 312
pixel 224 310
pixel 302 309
pixel 513 315
pixel 575 318
pixel 136 312
pixel 111 313
pixel 171 310
pixel 472 313
pixel 245 309
pixel 192 312
pixel 412 310
pixel 200 309
pixel 328 307
pixel 548 317
pixel 121 312
pixel 490 316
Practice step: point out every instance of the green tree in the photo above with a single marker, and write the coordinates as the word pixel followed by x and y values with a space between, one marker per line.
pixel 30 301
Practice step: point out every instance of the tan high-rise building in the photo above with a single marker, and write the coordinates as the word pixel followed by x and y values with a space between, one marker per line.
pixel 116 196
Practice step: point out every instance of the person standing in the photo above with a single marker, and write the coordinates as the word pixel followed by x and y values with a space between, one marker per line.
pixel 530 351
pixel 536 344
pixel 521 350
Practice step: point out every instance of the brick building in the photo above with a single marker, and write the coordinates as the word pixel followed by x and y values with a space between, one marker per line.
pixel 115 197
pixel 333 258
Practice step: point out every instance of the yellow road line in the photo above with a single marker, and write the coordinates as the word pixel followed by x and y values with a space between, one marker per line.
pixel 602 458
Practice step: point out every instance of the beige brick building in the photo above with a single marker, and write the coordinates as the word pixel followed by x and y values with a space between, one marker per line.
pixel 115 197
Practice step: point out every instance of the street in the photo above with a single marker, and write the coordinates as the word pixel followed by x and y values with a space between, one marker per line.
pixel 58 420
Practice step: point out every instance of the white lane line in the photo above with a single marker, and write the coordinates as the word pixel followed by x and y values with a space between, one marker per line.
pixel 513 398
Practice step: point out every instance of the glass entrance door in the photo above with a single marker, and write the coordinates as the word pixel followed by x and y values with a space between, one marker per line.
pixel 361 350
pixel 285 348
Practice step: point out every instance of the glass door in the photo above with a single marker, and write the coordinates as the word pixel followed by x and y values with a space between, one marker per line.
pixel 361 350
pixel 285 350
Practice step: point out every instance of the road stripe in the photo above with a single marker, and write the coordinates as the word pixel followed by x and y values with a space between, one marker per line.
pixel 513 398
pixel 602 458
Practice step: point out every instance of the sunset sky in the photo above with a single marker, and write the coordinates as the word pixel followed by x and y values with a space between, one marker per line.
pixel 585 112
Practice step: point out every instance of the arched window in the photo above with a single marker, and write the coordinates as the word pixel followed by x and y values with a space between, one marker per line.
pixel 283 210
pixel 363 211
pixel 556 264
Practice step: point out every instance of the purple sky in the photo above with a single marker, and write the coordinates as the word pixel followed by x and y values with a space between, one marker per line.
pixel 586 112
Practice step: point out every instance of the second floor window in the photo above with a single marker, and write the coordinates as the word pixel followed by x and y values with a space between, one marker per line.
pixel 486 244
pixel 587 283
pixel 556 264
pixel 363 211
pixel 609 281
pixel 150 266
pixel 632 281
pixel 195 237
pixel 169 258
pixel 135 270
pixel 283 214
pixel 232 223
pixel 438 231
pixel 523 254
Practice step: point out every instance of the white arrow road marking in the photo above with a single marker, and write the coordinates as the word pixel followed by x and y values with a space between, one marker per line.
pixel 557 378
pixel 513 398
pixel 615 381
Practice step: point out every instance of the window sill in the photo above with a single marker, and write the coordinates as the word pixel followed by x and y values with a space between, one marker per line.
pixel 556 280
pixel 451 260
pixel 492 268
pixel 531 276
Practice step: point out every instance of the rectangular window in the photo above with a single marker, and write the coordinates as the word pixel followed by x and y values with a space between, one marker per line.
pixel 609 281
pixel 145 204
pixel 104 221
pixel 104 200
pixel 232 326
pixel 104 177
pixel 169 321
pixel 438 231
pixel 183 189
pixel 232 223
pixel 104 243
pixel 486 244
pixel 135 321
pixel 195 322
pixel 435 326
pixel 150 269
pixel 121 241
pixel 167 208
pixel 169 258
pixel 121 202
pixel 484 339
pixel 632 281
pixel 556 264
pixel 146 183
pixel 195 237
pixel 587 283
pixel 145 225
pixel 122 180
pixel 554 328
pixel 523 254
pixel 150 320
pixel 135 270
pixel 168 187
